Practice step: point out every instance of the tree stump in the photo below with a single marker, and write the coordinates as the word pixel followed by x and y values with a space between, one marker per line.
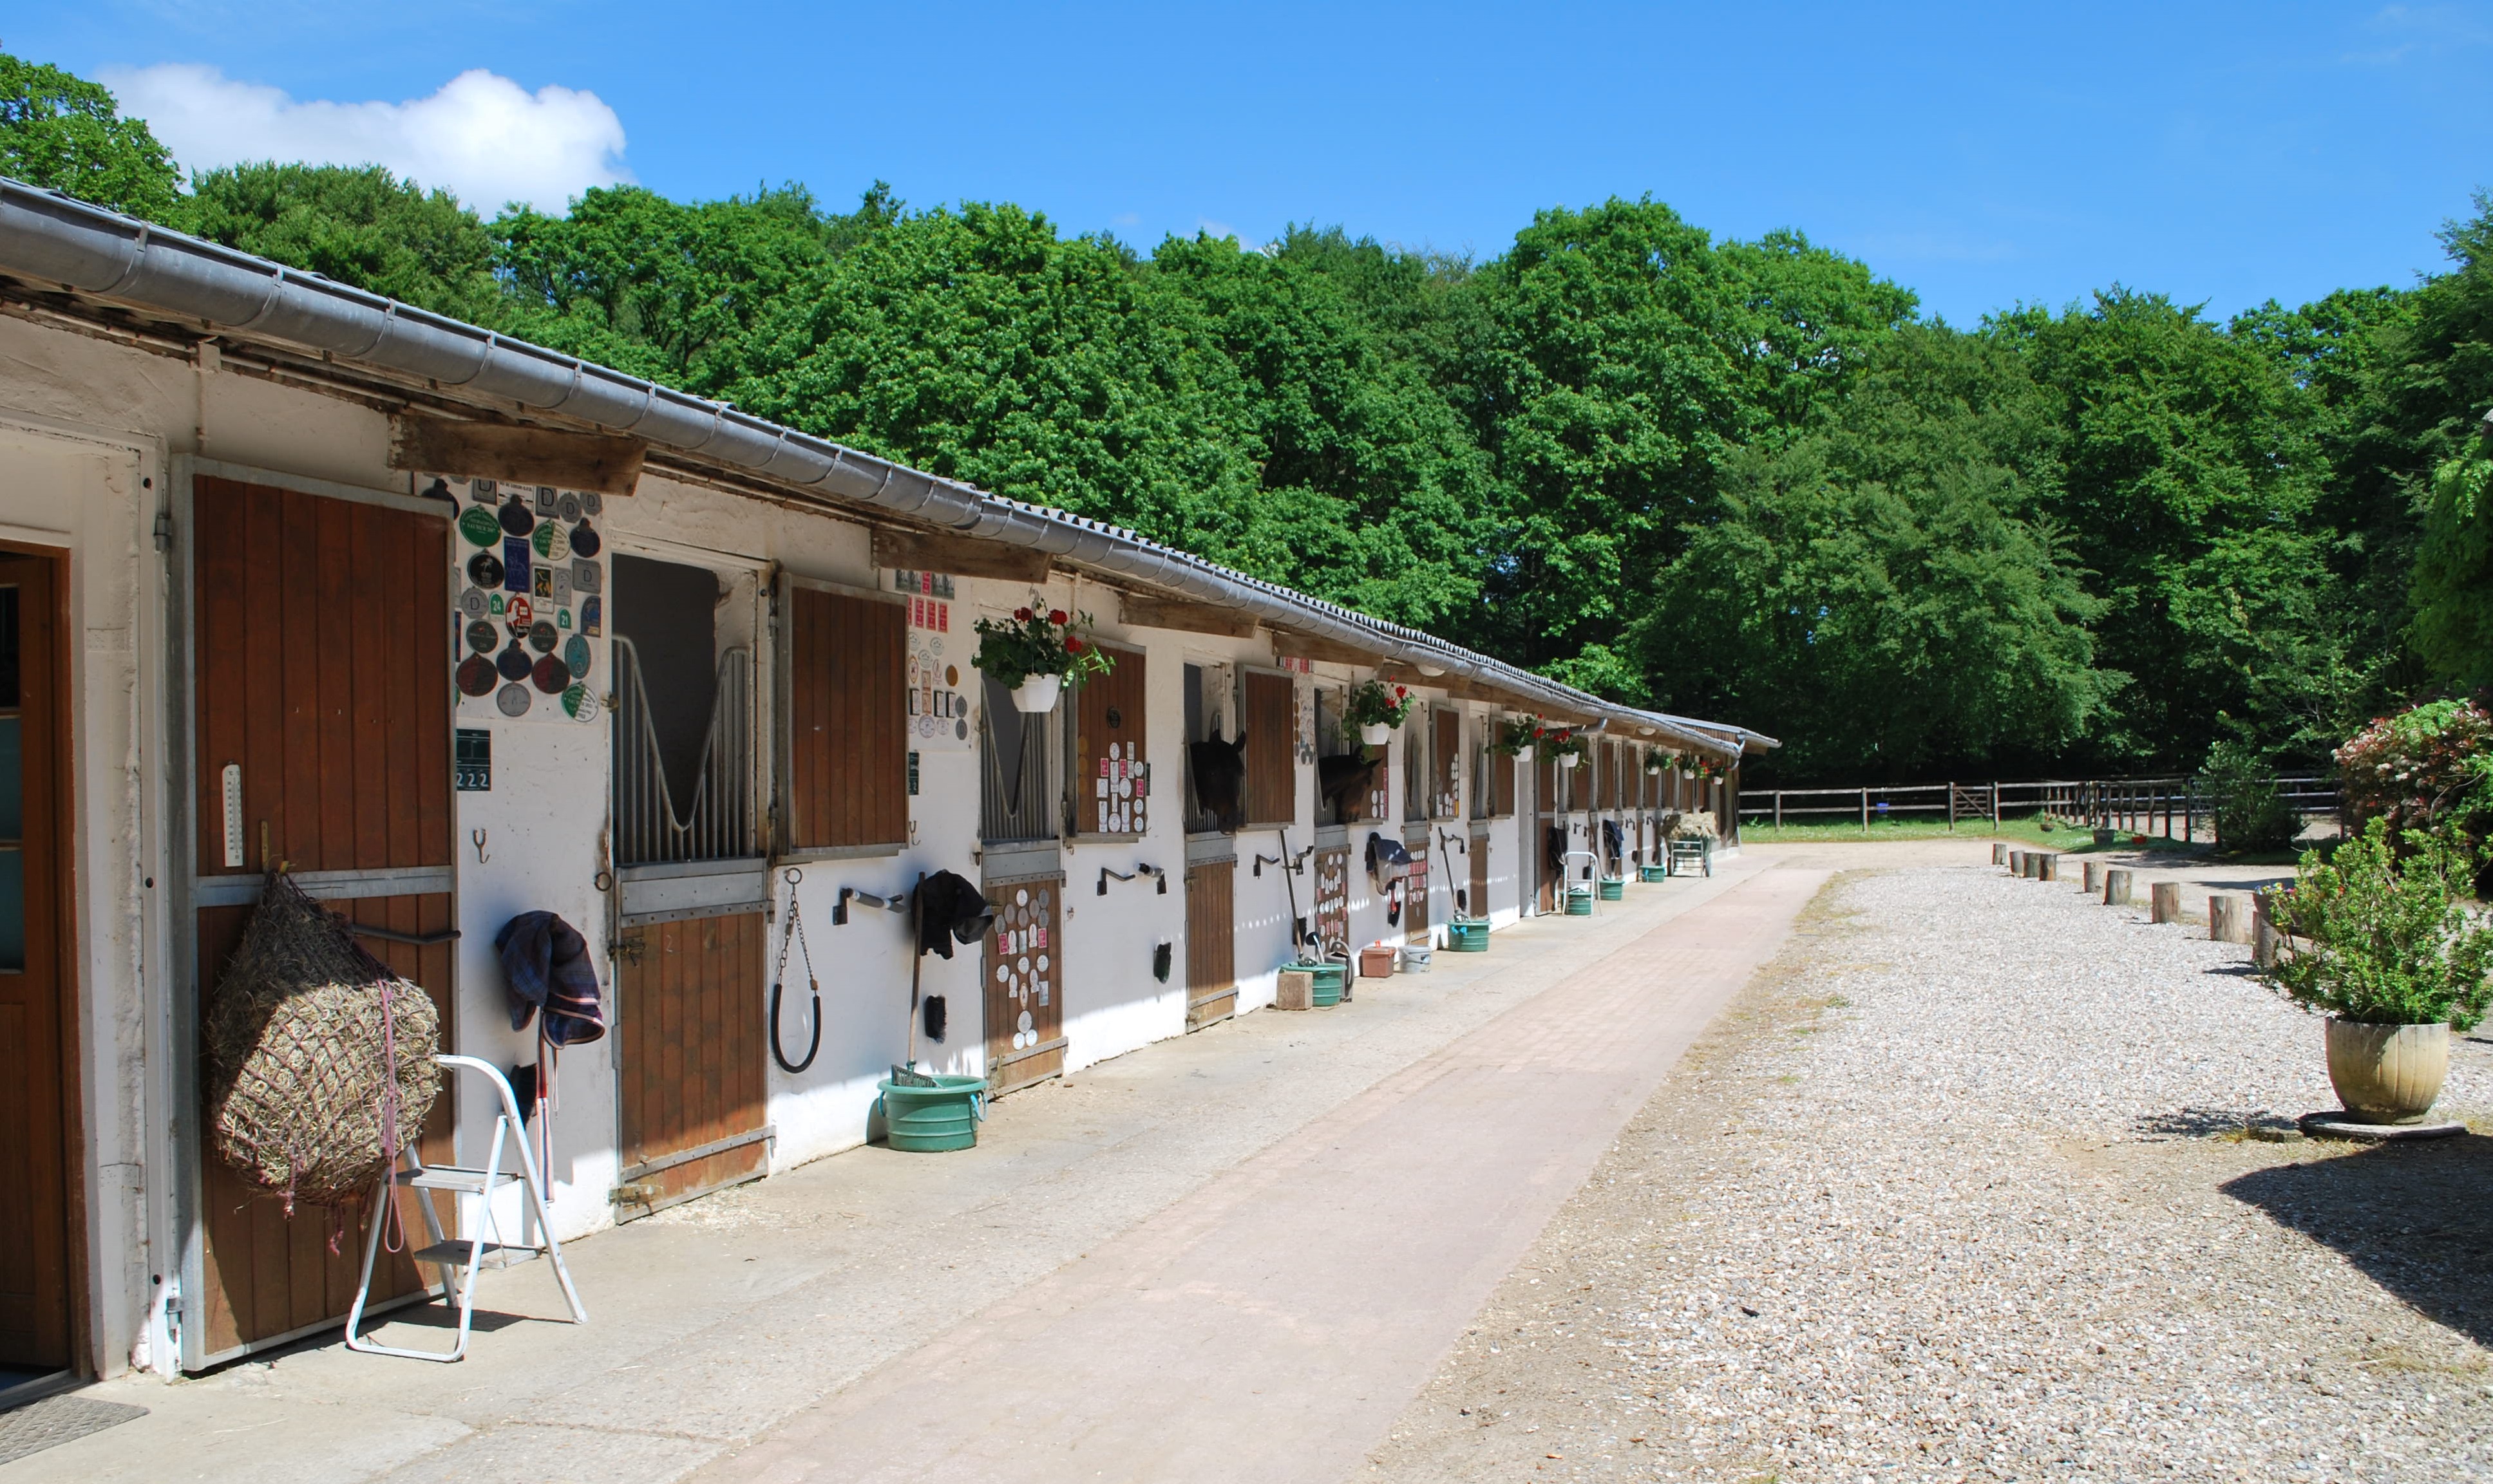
pixel 2163 901
pixel 2095 883
pixel 2116 887
pixel 2016 863
pixel 1998 853
pixel 2047 867
pixel 2268 944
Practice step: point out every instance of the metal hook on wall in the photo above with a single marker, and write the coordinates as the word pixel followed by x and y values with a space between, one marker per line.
pixel 476 838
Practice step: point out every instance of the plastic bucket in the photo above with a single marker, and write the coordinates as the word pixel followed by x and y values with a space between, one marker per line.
pixel 1653 872
pixel 1328 983
pixel 928 1120
pixel 1615 888
pixel 1415 961
pixel 1467 937
pixel 1579 901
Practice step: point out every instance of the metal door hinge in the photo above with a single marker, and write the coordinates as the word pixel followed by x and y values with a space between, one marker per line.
pixel 163 530
pixel 629 947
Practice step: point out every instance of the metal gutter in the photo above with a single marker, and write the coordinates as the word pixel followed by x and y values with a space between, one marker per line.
pixel 57 243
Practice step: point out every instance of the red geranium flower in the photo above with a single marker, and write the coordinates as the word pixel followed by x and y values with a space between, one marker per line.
pixel 1056 616
pixel 1021 616
pixel 1073 647
pixel 1399 693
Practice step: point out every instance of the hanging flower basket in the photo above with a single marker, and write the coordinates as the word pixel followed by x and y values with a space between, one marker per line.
pixel 1516 736
pixel 1375 709
pixel 1038 693
pixel 1561 744
pixel 1038 654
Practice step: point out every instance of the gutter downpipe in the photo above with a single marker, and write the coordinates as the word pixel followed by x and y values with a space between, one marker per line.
pixel 48 239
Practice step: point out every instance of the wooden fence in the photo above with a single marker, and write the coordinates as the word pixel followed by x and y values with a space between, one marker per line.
pixel 2176 808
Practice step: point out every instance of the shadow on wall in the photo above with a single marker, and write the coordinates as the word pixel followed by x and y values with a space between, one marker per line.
pixel 2412 1217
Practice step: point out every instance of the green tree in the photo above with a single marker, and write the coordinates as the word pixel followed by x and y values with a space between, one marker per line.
pixel 2453 575
pixel 2191 477
pixel 360 225
pixel 668 290
pixel 1887 586
pixel 60 131
pixel 976 343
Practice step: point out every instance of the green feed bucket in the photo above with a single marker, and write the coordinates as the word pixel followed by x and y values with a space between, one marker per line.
pixel 1653 872
pixel 1466 937
pixel 1615 888
pixel 1327 989
pixel 928 1120
pixel 1579 901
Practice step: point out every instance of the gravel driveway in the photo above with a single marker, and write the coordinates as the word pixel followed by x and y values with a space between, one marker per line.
pixel 1986 1181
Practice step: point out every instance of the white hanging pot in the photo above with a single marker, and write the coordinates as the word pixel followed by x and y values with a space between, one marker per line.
pixel 1567 760
pixel 1375 733
pixel 1038 693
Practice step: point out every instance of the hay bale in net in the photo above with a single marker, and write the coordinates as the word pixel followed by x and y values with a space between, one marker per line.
pixel 299 1063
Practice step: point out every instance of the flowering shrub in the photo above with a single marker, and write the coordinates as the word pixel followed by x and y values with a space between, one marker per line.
pixel 1377 705
pixel 2427 766
pixel 1039 643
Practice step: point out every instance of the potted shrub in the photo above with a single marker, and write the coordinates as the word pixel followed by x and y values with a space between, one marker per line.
pixel 1375 709
pixel 1036 654
pixel 1515 736
pixel 2379 939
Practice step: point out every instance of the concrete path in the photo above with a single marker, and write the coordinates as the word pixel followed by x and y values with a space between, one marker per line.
pixel 1273 1323
pixel 1234 1254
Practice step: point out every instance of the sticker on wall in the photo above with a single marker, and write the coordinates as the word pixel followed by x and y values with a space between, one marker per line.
pixel 938 710
pixel 529 605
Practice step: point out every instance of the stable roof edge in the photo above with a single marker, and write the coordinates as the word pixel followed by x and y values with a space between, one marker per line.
pixel 90 252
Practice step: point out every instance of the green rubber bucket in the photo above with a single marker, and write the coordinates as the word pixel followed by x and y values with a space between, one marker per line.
pixel 928 1120
pixel 1579 901
pixel 1327 989
pixel 1653 872
pixel 1615 888
pixel 1466 937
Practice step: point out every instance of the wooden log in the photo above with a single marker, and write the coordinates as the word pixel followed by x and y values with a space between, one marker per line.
pixel 2016 863
pixel 525 456
pixel 2115 886
pixel 2229 917
pixel 958 556
pixel 2094 878
pixel 2163 901
pixel 1998 851
pixel 2047 868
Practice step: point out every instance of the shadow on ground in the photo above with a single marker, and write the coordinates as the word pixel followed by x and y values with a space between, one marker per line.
pixel 2414 1217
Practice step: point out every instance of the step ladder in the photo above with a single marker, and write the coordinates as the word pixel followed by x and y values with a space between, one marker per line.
pixel 463 1254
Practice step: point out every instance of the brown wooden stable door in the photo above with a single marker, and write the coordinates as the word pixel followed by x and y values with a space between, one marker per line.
pixel 1479 905
pixel 695 1103
pixel 321 656
pixel 1025 982
pixel 38 1192
pixel 848 718
pixel 1211 942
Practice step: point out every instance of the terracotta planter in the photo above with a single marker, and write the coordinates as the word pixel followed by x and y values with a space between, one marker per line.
pixel 1038 693
pixel 2387 1074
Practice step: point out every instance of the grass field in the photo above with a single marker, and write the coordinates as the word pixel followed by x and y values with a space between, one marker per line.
pixel 2025 831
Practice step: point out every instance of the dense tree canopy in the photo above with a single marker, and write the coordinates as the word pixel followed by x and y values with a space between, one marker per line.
pixel 1739 479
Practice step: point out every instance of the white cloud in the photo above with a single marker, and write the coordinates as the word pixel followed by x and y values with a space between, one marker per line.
pixel 482 136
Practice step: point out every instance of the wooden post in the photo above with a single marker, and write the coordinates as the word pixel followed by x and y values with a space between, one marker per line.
pixel 1779 809
pixel 1864 810
pixel 1995 804
pixel 1998 853
pixel 2094 878
pixel 2016 863
pixel 2047 867
pixel 2268 944
pixel 2115 886
pixel 2229 917
pixel 2163 901
pixel 1951 806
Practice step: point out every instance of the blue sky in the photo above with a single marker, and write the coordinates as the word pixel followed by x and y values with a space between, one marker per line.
pixel 1980 155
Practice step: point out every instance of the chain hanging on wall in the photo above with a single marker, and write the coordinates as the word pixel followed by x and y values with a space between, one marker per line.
pixel 794 936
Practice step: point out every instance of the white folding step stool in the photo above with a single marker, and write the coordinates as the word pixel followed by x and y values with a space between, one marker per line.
pixel 463 1252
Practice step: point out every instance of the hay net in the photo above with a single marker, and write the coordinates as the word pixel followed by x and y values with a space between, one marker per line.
pixel 302 1037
